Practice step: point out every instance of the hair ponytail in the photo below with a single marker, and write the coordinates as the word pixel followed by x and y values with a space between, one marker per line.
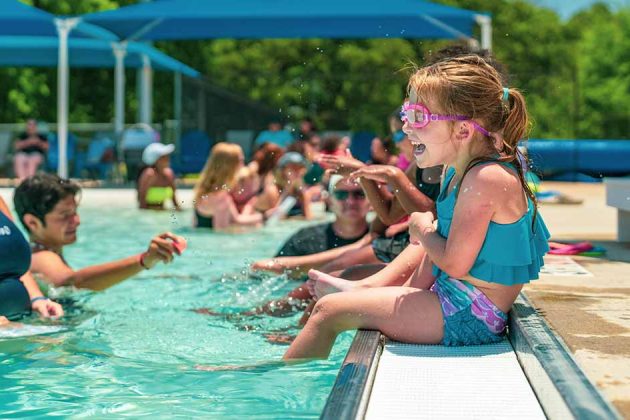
pixel 515 129
pixel 516 124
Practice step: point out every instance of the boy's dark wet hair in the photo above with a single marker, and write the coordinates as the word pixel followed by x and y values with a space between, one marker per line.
pixel 39 194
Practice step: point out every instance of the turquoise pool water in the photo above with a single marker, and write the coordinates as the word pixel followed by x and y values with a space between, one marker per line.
pixel 132 349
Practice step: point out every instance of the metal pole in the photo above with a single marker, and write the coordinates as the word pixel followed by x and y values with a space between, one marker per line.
pixel 486 31
pixel 146 94
pixel 64 26
pixel 120 51
pixel 177 107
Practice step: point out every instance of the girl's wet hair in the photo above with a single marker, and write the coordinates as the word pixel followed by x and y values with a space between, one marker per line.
pixel 221 169
pixel 470 85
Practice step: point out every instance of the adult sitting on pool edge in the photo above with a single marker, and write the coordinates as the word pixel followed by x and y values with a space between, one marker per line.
pixel 47 207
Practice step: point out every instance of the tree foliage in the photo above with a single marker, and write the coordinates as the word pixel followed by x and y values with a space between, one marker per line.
pixel 575 74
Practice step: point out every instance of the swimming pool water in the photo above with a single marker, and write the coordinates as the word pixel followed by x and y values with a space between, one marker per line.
pixel 132 350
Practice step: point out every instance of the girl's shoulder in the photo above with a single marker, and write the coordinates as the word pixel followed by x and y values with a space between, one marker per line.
pixel 492 178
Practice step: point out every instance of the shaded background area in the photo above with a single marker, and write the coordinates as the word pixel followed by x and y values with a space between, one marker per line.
pixel 573 71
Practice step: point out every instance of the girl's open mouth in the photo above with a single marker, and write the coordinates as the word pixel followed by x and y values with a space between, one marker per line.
pixel 418 149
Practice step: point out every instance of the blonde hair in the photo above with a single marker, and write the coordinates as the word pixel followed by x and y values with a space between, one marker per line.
pixel 469 85
pixel 221 169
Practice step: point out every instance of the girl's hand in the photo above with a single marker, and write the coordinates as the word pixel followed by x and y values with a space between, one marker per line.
pixel 46 308
pixel 378 173
pixel 342 165
pixel 419 225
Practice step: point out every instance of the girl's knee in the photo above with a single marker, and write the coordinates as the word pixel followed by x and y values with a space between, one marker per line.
pixel 326 308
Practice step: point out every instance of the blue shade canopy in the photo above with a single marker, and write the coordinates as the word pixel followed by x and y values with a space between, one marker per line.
pixel 20 19
pixel 198 19
pixel 33 51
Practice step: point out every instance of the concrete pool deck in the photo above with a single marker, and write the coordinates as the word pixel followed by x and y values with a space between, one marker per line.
pixel 590 312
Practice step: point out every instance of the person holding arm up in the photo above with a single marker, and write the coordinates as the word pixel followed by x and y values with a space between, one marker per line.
pixel 47 207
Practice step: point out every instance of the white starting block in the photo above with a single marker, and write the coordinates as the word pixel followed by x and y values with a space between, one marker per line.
pixel 618 195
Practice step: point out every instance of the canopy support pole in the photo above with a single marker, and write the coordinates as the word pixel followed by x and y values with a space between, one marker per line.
pixel 120 51
pixel 486 31
pixel 64 26
pixel 146 94
pixel 177 107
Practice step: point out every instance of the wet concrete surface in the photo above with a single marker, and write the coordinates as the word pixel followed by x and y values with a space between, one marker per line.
pixel 590 313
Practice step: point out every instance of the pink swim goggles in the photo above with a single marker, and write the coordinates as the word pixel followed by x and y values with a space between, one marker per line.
pixel 419 116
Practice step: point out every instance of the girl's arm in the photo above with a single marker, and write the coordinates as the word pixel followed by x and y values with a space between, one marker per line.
pixel 407 193
pixel 408 197
pixel 382 203
pixel 481 192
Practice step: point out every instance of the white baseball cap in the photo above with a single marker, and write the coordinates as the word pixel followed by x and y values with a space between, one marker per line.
pixel 154 151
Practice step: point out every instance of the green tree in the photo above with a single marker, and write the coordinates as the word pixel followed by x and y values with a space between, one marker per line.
pixel 603 59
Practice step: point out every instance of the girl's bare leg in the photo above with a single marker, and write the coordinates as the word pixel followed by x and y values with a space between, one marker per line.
pixel 395 273
pixel 422 277
pixel 402 313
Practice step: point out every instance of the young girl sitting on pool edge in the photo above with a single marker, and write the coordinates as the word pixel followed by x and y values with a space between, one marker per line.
pixel 489 239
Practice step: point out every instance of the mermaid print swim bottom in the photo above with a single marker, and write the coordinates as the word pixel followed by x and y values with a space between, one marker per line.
pixel 470 318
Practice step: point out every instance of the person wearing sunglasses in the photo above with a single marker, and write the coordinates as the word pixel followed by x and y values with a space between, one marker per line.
pixel 316 245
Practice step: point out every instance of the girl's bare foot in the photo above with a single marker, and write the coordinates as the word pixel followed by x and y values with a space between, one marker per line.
pixel 321 284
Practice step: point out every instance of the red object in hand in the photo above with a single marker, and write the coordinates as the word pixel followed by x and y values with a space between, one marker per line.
pixel 180 245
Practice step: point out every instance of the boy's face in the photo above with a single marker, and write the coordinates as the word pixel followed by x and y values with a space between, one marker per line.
pixel 61 224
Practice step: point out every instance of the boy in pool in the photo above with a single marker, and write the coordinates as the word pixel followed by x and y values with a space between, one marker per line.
pixel 47 207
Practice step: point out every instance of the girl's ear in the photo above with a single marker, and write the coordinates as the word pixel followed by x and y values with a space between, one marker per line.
pixel 463 131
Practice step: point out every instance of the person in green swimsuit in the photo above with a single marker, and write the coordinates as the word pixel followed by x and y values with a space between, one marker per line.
pixel 156 182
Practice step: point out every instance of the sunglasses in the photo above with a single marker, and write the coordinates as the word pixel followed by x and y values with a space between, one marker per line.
pixel 419 116
pixel 343 195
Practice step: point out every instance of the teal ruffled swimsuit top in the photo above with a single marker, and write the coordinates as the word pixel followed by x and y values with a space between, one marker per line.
pixel 511 253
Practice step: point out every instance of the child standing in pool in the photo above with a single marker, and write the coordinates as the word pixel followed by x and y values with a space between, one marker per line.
pixel 489 239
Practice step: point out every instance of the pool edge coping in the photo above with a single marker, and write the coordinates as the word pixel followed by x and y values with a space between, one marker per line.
pixel 561 387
